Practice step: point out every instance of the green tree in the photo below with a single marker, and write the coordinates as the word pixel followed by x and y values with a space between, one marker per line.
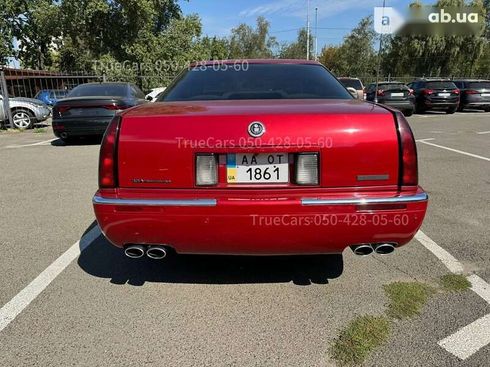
pixel 356 55
pixel 298 49
pixel 247 42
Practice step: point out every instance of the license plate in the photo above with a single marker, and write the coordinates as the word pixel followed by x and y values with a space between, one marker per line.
pixel 257 168
pixel 485 95
pixel 444 94
pixel 397 94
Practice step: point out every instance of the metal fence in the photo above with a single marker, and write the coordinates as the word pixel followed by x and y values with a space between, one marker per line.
pixel 28 83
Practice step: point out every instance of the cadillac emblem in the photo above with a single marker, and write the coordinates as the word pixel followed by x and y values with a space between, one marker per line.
pixel 256 129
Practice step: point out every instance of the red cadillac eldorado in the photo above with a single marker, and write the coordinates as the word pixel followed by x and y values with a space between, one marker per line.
pixel 258 157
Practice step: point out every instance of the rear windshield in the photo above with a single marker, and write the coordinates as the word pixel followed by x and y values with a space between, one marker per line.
pixel 441 85
pixel 392 86
pixel 255 81
pixel 353 83
pixel 88 90
pixel 479 85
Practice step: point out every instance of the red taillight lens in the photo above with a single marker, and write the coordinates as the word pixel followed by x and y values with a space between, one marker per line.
pixel 428 91
pixel 408 153
pixel 410 92
pixel 472 92
pixel 456 91
pixel 115 107
pixel 108 155
pixel 381 92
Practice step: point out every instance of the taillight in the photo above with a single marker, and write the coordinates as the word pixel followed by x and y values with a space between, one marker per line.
pixel 408 153
pixel 108 155
pixel 115 107
pixel 428 91
pixel 381 92
pixel 456 91
pixel 472 92
pixel 410 92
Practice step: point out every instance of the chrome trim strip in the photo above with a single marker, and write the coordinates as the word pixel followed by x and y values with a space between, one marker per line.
pixel 150 202
pixel 365 201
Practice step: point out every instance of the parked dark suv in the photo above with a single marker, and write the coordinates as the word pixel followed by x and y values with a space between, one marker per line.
pixel 474 94
pixel 393 94
pixel 435 94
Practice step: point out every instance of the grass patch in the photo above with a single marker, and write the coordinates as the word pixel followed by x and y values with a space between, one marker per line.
pixel 359 338
pixel 455 283
pixel 15 131
pixel 406 299
pixel 40 130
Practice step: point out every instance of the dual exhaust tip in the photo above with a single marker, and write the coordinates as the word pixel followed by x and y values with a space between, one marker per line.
pixel 138 251
pixel 379 248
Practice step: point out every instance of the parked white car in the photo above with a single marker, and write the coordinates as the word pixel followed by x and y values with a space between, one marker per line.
pixel 154 93
pixel 25 112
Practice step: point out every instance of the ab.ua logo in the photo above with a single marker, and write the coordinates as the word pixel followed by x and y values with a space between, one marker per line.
pixel 445 17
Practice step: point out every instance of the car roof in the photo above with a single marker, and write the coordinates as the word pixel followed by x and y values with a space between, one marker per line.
pixel 348 78
pixel 107 83
pixel 471 80
pixel 432 80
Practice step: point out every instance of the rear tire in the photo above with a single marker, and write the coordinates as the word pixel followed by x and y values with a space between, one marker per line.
pixel 22 119
pixel 487 109
pixel 408 113
pixel 451 110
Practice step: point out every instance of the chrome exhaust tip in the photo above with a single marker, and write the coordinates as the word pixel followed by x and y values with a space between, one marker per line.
pixel 134 251
pixel 384 248
pixel 362 250
pixel 63 135
pixel 156 252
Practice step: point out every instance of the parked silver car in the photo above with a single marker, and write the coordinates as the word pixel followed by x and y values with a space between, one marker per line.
pixel 25 112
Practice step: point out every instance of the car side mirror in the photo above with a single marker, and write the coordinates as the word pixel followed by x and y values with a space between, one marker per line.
pixel 149 98
pixel 353 92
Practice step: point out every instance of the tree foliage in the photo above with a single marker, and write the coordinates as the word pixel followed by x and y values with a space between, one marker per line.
pixel 247 42
pixel 356 55
pixel 297 49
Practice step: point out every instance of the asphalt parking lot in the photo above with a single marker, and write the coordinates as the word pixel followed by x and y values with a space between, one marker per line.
pixel 100 308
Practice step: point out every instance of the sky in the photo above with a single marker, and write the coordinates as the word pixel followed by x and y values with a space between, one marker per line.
pixel 336 17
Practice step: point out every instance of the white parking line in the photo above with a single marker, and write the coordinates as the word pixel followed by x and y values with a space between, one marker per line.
pixel 468 340
pixel 471 338
pixel 46 142
pixel 483 132
pixel 426 141
pixel 17 304
pixel 447 259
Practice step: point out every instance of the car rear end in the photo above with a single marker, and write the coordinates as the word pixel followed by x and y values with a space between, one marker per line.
pixel 476 94
pixel 88 110
pixel 440 95
pixel 396 95
pixel 262 177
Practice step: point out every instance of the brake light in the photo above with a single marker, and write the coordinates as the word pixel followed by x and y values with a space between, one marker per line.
pixel 472 92
pixel 428 91
pixel 408 153
pixel 381 92
pixel 456 91
pixel 108 155
pixel 115 107
pixel 410 92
